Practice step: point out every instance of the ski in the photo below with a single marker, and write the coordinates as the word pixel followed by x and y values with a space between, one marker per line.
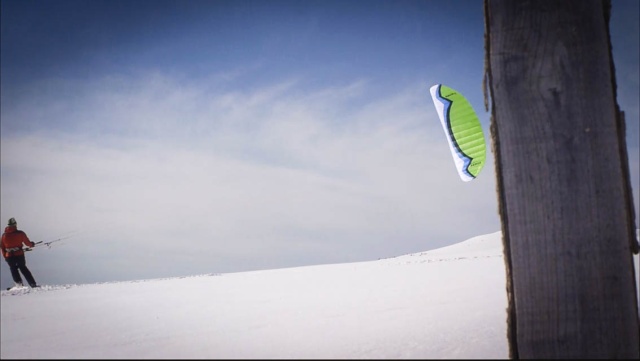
pixel 16 288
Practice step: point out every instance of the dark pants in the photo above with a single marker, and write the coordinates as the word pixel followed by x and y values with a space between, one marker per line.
pixel 20 263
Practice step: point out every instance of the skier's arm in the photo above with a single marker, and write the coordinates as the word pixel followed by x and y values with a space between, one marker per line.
pixel 27 241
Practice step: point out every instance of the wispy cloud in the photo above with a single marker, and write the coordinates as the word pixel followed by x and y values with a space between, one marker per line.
pixel 283 173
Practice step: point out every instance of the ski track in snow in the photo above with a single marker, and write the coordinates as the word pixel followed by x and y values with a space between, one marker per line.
pixel 486 246
pixel 19 291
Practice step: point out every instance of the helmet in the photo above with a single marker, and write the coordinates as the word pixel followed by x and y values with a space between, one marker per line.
pixel 12 222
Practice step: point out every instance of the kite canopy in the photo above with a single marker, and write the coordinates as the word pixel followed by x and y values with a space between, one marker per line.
pixel 463 131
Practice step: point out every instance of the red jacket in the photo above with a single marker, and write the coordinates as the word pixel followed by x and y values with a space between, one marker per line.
pixel 12 240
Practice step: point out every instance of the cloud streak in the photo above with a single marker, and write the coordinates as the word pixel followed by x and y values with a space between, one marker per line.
pixel 279 176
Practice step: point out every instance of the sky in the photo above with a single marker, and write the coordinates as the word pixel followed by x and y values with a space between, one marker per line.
pixel 444 303
pixel 178 138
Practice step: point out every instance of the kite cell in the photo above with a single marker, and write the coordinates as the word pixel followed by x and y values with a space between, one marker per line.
pixel 463 131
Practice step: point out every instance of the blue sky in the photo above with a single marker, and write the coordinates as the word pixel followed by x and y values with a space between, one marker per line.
pixel 185 137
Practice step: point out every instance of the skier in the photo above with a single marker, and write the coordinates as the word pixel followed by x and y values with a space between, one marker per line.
pixel 12 241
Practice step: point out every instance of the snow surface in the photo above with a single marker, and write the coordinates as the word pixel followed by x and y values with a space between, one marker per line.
pixel 446 303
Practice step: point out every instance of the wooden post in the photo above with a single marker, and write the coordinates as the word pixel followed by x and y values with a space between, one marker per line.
pixel 562 178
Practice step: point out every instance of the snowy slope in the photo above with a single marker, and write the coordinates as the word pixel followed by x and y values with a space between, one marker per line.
pixel 445 303
pixel 403 307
